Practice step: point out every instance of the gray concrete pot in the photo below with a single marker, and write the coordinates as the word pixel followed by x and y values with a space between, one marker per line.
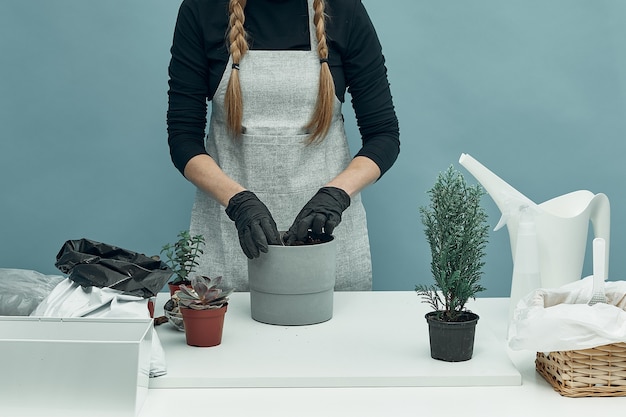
pixel 293 285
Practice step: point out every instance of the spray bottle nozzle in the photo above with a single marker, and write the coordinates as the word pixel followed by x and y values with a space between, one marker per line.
pixel 523 209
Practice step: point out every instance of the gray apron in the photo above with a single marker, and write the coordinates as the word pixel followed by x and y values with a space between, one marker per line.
pixel 272 160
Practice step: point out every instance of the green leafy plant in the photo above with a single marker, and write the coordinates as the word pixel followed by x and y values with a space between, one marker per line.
pixel 182 256
pixel 203 294
pixel 456 229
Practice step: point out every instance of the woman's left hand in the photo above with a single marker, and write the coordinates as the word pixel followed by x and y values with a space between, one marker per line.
pixel 320 215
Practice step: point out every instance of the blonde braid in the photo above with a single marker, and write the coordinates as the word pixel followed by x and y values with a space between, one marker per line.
pixel 238 46
pixel 322 116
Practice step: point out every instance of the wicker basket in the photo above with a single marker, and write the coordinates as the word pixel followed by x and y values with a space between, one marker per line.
pixel 596 372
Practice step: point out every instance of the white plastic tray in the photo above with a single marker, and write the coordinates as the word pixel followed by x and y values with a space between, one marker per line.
pixel 375 339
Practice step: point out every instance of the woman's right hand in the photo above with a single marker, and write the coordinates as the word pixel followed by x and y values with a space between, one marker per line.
pixel 255 225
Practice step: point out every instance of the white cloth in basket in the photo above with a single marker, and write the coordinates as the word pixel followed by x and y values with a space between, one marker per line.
pixel 548 320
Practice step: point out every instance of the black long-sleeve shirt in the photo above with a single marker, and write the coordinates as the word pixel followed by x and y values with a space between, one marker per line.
pixel 200 55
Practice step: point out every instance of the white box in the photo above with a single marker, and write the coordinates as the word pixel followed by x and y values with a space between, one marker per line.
pixel 73 366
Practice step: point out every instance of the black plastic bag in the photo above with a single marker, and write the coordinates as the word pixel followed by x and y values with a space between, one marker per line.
pixel 89 263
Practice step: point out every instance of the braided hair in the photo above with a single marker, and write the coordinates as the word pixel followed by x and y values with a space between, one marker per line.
pixel 238 46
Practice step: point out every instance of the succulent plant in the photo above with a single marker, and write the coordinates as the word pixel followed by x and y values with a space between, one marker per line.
pixel 182 256
pixel 203 294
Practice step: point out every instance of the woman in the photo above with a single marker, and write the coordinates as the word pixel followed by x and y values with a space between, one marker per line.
pixel 276 154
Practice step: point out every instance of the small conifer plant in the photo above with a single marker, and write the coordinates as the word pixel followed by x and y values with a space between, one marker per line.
pixel 455 225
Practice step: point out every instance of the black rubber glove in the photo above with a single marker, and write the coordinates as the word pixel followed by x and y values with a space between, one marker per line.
pixel 320 215
pixel 255 225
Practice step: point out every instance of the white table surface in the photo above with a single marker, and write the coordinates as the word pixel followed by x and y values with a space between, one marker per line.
pixel 409 394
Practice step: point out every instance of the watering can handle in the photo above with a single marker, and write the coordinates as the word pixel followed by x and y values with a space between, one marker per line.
pixel 600 214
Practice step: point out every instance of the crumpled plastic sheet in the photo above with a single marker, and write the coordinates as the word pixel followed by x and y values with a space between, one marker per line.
pixel 69 299
pixel 21 290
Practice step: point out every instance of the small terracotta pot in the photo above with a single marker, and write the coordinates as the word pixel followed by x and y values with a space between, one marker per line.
pixel 204 327
pixel 151 306
pixel 175 287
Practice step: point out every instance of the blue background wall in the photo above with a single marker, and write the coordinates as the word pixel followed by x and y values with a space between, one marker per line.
pixel 533 89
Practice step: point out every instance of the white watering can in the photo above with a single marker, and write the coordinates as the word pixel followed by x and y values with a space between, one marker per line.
pixel 548 240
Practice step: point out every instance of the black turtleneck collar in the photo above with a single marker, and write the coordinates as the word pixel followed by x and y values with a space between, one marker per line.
pixel 268 28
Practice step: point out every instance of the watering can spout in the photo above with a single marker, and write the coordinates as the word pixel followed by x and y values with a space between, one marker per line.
pixel 508 199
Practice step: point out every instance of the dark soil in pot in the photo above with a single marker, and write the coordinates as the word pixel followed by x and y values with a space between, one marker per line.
pixel 311 239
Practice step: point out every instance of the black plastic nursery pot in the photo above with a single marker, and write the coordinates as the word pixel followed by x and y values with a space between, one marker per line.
pixel 451 341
